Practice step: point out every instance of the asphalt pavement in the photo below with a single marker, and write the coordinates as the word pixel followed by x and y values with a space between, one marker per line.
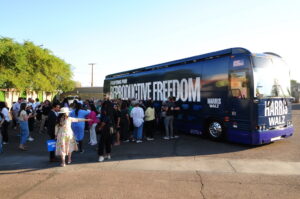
pixel 188 167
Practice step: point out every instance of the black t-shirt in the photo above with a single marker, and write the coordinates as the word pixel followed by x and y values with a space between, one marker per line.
pixel 46 110
pixel 123 114
pixel 117 114
pixel 109 122
pixel 170 105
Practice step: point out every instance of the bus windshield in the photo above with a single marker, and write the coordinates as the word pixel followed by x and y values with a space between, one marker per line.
pixel 271 77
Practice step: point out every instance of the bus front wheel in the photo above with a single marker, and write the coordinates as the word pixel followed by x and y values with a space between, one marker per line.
pixel 215 130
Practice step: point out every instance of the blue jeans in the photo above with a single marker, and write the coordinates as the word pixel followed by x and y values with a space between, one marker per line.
pixel 169 125
pixel 24 131
pixel 138 132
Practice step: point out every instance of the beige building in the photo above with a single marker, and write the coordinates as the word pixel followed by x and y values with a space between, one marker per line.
pixel 11 95
pixel 85 93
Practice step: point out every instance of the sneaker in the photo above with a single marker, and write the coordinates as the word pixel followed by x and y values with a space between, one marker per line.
pixel 5 143
pixel 108 157
pixel 166 138
pixel 82 151
pixel 150 139
pixel 30 139
pixel 125 141
pixel 139 141
pixel 175 137
pixel 101 159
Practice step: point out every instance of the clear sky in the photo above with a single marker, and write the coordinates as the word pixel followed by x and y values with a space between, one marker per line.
pixel 120 35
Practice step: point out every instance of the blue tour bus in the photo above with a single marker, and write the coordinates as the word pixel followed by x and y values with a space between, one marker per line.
pixel 231 94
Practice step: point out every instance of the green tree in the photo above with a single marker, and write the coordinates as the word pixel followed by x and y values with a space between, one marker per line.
pixel 30 67
pixel 13 71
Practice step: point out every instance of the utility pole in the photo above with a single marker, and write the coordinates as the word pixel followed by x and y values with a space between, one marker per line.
pixel 92 82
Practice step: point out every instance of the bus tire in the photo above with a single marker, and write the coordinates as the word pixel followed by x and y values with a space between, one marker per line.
pixel 215 130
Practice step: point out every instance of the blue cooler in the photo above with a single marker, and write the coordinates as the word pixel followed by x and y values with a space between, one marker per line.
pixel 51 144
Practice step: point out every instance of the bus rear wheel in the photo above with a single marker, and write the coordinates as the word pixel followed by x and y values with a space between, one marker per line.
pixel 215 130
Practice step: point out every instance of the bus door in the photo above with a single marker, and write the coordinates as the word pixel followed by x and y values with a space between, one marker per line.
pixel 239 105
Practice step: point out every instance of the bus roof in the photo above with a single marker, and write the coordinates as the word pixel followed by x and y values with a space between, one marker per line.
pixel 230 51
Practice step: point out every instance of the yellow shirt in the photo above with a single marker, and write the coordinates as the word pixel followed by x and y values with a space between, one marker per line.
pixel 149 114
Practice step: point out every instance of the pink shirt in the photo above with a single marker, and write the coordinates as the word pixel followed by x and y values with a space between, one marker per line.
pixel 92 116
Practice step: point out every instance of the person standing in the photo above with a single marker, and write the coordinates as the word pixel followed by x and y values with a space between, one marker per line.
pixel 137 114
pixel 35 104
pixel 15 111
pixel 46 107
pixel 170 108
pixel 93 123
pixel 1 122
pixel 105 130
pixel 52 121
pixel 124 122
pixel 66 142
pixel 5 113
pixel 24 130
pixel 78 127
pixel 29 110
pixel 117 118
pixel 149 120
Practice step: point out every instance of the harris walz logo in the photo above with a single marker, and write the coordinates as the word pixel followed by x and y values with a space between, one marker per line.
pixel 276 111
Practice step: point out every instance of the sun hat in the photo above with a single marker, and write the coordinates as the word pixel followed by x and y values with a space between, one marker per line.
pixel 64 110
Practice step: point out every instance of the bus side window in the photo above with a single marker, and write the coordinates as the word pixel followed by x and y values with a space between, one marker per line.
pixel 239 85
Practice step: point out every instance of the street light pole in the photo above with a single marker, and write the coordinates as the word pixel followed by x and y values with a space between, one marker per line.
pixel 92 82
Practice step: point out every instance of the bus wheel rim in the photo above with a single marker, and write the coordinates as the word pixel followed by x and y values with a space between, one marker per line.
pixel 215 129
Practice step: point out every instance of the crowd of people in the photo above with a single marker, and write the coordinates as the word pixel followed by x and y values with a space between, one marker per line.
pixel 109 123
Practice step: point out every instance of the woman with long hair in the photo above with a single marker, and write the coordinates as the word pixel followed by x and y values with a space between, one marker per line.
pixel 93 123
pixel 24 129
pixel 124 122
pixel 66 142
pixel 117 118
pixel 105 129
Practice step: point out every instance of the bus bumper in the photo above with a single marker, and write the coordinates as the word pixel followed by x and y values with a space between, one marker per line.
pixel 264 137
pixel 259 137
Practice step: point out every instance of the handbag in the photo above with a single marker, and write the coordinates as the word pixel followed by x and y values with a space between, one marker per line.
pixel 51 145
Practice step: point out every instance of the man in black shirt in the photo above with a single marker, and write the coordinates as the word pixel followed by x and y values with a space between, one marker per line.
pixel 170 108
pixel 52 120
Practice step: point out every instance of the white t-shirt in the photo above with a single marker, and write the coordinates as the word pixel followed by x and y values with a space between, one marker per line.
pixel 5 114
pixel 22 115
pixel 16 107
pixel 137 114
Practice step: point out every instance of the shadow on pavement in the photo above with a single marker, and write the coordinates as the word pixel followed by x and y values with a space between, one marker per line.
pixel 36 158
